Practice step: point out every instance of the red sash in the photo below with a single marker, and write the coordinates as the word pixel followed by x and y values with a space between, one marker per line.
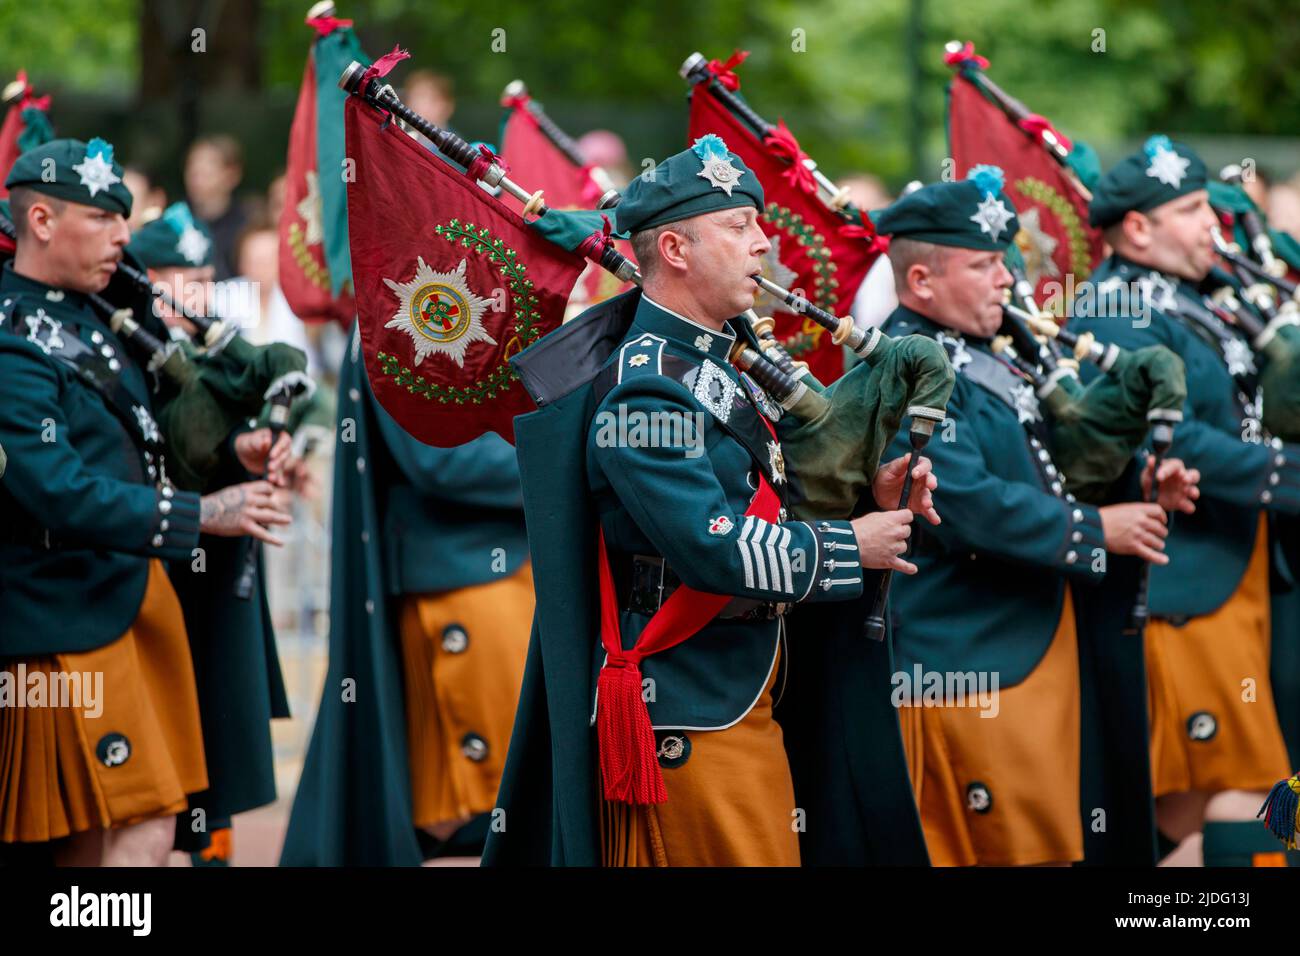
pixel 629 765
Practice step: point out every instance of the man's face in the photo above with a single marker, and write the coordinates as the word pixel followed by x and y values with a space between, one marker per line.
pixel 1175 237
pixel 729 251
pixel 966 293
pixel 80 245
pixel 207 177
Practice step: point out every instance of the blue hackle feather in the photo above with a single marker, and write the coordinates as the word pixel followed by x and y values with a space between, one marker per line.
pixel 988 179
pixel 179 217
pixel 100 147
pixel 711 146
pixel 1156 144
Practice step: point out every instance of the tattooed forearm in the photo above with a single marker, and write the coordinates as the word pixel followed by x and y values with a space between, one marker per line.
pixel 222 510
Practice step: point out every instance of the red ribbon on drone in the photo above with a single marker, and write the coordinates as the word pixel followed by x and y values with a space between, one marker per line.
pixel 722 71
pixel 326 25
pixel 781 141
pixel 1036 125
pixel 484 161
pixel 594 245
pixel 964 56
pixel 877 242
pixel 384 65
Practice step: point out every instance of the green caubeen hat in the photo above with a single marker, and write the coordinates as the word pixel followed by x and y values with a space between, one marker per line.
pixel 973 213
pixel 175 238
pixel 705 178
pixel 1160 171
pixel 78 172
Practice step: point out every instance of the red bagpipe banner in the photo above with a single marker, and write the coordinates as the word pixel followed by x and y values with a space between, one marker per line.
pixel 1055 239
pixel 314 216
pixel 814 249
pixel 533 158
pixel 25 126
pixel 450 284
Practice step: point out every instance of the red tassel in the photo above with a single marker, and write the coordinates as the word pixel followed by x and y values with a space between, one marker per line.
pixel 1036 125
pixel 629 766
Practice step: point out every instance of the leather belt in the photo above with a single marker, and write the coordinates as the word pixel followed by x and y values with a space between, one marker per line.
pixel 644 582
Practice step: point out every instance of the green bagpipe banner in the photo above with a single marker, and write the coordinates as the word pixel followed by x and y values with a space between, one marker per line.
pixel 315 272
pixel 814 249
pixel 450 284
pixel 1055 239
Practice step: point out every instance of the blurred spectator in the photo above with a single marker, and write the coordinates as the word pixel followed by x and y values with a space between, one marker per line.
pixel 147 197
pixel 1257 187
pixel 866 191
pixel 275 199
pixel 1284 207
pixel 605 149
pixel 433 96
pixel 213 170
pixel 265 313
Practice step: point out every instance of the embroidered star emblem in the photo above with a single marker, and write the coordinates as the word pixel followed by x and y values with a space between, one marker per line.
pixel 311 210
pixel 1026 402
pixel 992 216
pixel 95 171
pixel 1037 247
pixel 51 339
pixel 776 462
pixel 704 342
pixel 956 348
pixel 193 245
pixel 440 312
pixel 148 428
pixel 1167 166
pixel 636 361
pixel 1239 357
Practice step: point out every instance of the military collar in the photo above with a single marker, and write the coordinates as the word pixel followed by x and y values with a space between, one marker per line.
pixel 655 318
pixel 11 282
pixel 908 321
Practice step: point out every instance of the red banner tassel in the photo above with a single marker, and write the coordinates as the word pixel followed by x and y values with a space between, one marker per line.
pixel 722 71
pixel 1037 125
pixel 782 142
pixel 592 247
pixel 326 25
pixel 384 65
pixel 966 56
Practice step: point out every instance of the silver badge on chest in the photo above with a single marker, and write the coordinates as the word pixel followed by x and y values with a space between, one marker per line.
pixel 715 390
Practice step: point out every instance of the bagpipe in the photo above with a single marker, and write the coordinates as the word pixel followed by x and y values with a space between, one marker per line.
pixel 1095 430
pixel 839 432
pixel 1263 307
